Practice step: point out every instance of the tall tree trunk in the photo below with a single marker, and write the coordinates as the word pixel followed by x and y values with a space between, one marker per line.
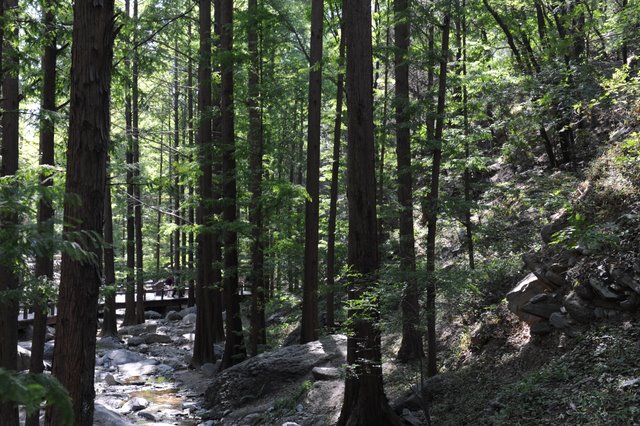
pixel 382 236
pixel 191 295
pixel 333 197
pixel 205 323
pixel 44 262
pixel 256 139
pixel 137 207
pixel 310 326
pixel 433 201
pixel 109 321
pixel 176 177
pixel 159 215
pixel 234 350
pixel 74 353
pixel 364 399
pixel 465 119
pixel 411 346
pixel 9 167
pixel 130 292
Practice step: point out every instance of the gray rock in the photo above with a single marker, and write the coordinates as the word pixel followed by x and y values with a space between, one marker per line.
pixel 110 380
pixel 578 308
pixel 187 311
pixel 109 343
pixel 603 291
pixel 410 418
pixel 145 367
pixel 121 356
pixel 555 279
pixel 173 316
pixel 218 351
pixel 48 351
pixel 152 315
pixel 187 358
pixel 134 404
pixel 207 423
pixel 147 416
pixel 585 292
pixel 24 358
pixel 208 369
pixel 559 321
pixel 268 372
pixel 326 373
pixel 543 310
pixel 627 280
pixel 102 416
pixel 50 334
pixel 135 341
pixel 189 319
pixel 290 424
pixel 522 293
pixel 631 303
pixel 541 328
pixel 138 329
pixel 157 338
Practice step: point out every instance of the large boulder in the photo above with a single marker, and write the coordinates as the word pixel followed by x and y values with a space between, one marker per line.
pixel 102 416
pixel 121 356
pixel 268 372
pixel 522 293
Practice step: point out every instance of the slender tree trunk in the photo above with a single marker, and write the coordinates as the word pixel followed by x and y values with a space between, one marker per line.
pixel 130 295
pixel 176 177
pixel 382 237
pixel 205 325
pixel 333 197
pixel 191 295
pixel 234 350
pixel 109 321
pixel 256 139
pixel 44 262
pixel 218 287
pixel 364 399
pixel 9 167
pixel 465 118
pixel 411 346
pixel 159 216
pixel 433 201
pixel 310 326
pixel 74 353
pixel 137 207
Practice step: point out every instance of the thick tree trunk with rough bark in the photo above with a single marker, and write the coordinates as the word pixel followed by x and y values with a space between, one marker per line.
pixel 411 346
pixel 234 349
pixel 205 324
pixel 364 399
pixel 74 353
pixel 10 137
pixel 256 217
pixel 310 326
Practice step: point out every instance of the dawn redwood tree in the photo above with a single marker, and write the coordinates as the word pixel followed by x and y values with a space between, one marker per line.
pixel 256 216
pixel 9 167
pixel 411 346
pixel 205 322
pixel 364 400
pixel 234 349
pixel 44 261
pixel 310 326
pixel 433 200
pixel 137 197
pixel 130 291
pixel 333 196
pixel 74 353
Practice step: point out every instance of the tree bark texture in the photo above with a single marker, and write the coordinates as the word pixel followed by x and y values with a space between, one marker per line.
pixel 74 353
pixel 364 399
pixel 234 349
pixel 411 346
pixel 310 326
